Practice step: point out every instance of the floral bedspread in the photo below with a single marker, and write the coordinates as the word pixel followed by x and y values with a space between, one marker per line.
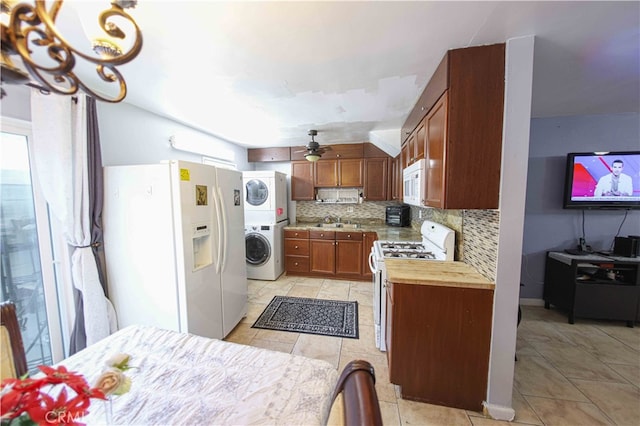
pixel 186 379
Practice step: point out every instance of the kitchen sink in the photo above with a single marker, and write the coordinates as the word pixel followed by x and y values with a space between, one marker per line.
pixel 338 225
pixel 350 225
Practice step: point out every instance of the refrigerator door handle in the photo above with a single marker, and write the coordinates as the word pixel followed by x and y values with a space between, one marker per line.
pixel 217 202
pixel 223 209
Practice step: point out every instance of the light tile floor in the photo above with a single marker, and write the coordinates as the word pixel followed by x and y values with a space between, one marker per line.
pixel 587 373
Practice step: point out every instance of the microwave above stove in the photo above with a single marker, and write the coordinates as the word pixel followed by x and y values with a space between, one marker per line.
pixel 412 183
pixel 398 215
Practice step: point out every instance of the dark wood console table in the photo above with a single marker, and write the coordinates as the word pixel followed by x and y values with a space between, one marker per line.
pixel 593 286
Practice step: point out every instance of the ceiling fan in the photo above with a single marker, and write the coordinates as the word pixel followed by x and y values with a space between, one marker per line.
pixel 313 149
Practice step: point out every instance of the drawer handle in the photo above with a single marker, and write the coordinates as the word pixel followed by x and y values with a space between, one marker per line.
pixel 296 247
pixel 296 234
pixel 322 235
pixel 348 235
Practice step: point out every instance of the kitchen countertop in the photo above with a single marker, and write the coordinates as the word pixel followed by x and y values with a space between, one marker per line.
pixel 435 273
pixel 387 233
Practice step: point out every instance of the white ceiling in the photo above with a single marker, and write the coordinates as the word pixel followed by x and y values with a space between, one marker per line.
pixel 263 73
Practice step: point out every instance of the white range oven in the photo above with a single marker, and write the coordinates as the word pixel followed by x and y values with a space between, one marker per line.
pixel 438 243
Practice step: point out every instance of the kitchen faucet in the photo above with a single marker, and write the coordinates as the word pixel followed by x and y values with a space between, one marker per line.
pixel 329 218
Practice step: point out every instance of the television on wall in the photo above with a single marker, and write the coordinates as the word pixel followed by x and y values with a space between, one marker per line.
pixel 602 180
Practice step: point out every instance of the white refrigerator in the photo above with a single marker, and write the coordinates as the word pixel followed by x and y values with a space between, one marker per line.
pixel 173 236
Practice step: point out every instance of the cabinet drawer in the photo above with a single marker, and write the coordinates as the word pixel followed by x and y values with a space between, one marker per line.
pixel 296 247
pixel 322 235
pixel 297 263
pixel 353 236
pixel 296 233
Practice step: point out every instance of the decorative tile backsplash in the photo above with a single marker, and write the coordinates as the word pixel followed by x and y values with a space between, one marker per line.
pixel 310 211
pixel 480 240
pixel 476 235
pixel 476 230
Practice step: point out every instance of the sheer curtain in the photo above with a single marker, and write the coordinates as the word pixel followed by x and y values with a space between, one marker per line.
pixel 60 148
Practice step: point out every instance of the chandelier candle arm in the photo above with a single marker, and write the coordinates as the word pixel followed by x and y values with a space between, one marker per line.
pixel 38 25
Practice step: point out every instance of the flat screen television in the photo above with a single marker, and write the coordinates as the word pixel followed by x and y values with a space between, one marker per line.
pixel 602 180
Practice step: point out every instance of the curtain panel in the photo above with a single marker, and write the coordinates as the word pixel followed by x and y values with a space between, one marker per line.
pixel 60 151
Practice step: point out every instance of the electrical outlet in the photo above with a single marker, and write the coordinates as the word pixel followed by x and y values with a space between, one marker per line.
pixel 349 209
pixel 420 214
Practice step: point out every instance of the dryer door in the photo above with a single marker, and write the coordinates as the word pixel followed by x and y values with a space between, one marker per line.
pixel 258 249
pixel 257 194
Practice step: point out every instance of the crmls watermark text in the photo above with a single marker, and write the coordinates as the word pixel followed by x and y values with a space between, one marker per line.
pixel 57 418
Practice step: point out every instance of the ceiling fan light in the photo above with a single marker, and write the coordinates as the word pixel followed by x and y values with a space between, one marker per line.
pixel 312 156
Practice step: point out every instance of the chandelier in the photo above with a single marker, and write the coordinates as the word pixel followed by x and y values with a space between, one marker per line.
pixel 49 59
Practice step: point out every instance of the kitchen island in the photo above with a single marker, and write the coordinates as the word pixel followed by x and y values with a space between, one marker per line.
pixel 439 318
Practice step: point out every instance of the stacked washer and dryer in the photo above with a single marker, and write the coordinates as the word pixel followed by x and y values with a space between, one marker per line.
pixel 265 216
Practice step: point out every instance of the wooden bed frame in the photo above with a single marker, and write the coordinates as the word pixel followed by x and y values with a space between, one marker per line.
pixel 357 385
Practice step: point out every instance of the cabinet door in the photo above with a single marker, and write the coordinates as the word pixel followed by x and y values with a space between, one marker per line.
pixel 375 179
pixel 404 155
pixel 349 258
pixel 421 140
pixel 326 173
pixel 350 173
pixel 436 128
pixel 394 370
pixel 322 256
pixel 396 179
pixel 367 242
pixel 255 155
pixel 302 181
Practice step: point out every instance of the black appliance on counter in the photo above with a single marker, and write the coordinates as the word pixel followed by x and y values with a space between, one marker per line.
pixel 399 215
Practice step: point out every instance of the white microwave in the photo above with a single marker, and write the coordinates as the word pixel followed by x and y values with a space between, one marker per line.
pixel 412 183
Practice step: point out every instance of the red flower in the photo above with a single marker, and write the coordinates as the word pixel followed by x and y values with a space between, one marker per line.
pixel 46 400
pixel 62 375
pixel 60 410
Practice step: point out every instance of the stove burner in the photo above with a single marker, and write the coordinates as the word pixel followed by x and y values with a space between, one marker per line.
pixel 409 254
pixel 402 246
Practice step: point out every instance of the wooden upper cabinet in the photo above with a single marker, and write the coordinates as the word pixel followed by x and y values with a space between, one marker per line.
pixel 462 116
pixel 326 173
pixel 302 181
pixel 404 155
pixel 436 131
pixel 256 155
pixel 396 178
pixel 337 173
pixel 346 150
pixel 351 172
pixel 421 141
pixel 376 179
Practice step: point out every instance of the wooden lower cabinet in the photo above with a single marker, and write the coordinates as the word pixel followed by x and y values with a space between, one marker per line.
pixel 296 251
pixel 367 243
pixel 323 257
pixel 321 253
pixel 438 342
pixel 348 259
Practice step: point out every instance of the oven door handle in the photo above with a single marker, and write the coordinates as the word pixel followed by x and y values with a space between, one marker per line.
pixel 371 263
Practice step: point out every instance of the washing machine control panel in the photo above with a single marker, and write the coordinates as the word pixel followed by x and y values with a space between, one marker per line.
pixel 257 227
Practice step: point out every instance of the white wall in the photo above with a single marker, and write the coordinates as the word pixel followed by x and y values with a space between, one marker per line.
pixel 130 135
pixel 17 102
pixel 547 225
pixel 517 113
